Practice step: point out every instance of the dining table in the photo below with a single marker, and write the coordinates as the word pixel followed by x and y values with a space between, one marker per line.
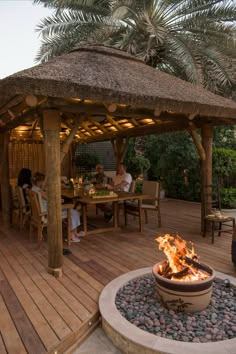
pixel 115 199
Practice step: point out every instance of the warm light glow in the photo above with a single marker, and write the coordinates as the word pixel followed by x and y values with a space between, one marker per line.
pixel 88 101
pixel 179 255
pixel 148 121
pixel 127 125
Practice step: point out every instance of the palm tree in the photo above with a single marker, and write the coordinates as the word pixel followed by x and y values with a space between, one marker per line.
pixel 192 39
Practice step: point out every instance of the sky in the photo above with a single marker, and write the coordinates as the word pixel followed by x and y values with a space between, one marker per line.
pixel 19 42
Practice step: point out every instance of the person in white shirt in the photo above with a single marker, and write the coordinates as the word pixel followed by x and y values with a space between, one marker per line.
pixel 121 182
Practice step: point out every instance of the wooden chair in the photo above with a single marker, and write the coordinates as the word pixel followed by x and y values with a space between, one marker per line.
pixel 151 188
pixel 23 207
pixel 218 222
pixel 38 216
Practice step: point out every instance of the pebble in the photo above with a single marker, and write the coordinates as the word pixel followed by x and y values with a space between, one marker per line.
pixel 138 303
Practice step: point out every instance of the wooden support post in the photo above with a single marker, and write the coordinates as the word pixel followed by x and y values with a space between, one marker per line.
pixel 5 183
pixel 52 125
pixel 119 146
pixel 206 170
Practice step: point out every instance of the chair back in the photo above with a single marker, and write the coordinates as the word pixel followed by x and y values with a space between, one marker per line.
pixel 36 206
pixel 132 187
pixel 21 199
pixel 152 188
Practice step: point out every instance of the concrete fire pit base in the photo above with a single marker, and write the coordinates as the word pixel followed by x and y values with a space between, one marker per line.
pixel 132 340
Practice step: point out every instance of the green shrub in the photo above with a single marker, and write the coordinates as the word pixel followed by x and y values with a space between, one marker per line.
pixel 224 162
pixel 137 166
pixel 228 198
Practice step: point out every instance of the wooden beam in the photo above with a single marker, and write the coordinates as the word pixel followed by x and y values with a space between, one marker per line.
pixel 111 107
pixel 86 127
pixel 196 140
pixel 13 102
pixel 97 124
pixel 5 184
pixel 33 127
pixel 40 123
pixel 66 145
pixel 113 122
pixel 31 101
pixel 52 125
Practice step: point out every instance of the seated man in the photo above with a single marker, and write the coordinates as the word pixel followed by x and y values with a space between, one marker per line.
pixel 100 179
pixel 122 182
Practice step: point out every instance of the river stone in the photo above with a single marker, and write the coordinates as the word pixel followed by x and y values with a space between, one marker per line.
pixel 138 303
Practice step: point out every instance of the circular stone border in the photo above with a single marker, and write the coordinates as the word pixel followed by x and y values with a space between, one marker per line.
pixel 132 340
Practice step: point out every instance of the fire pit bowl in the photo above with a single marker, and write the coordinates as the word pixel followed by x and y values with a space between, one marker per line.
pixel 183 296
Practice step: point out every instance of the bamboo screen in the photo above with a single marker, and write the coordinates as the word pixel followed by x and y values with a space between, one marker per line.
pixel 28 155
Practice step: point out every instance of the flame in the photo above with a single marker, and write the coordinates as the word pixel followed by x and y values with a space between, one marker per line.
pixel 178 252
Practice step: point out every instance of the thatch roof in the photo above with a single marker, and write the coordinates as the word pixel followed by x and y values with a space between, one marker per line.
pixel 106 75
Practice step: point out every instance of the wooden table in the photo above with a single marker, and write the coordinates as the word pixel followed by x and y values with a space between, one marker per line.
pixel 122 196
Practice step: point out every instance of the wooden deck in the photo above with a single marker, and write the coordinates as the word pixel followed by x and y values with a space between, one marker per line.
pixel 41 314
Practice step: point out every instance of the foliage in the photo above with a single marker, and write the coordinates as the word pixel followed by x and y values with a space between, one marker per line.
pixel 192 39
pixel 86 161
pixel 224 162
pixel 228 198
pixel 175 163
pixel 225 136
pixel 139 186
pixel 137 166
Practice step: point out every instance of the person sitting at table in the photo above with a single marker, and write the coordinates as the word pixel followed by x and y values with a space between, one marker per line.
pixel 121 182
pixel 100 179
pixel 24 181
pixel 38 186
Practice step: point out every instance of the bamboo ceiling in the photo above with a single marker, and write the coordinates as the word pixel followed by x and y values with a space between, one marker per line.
pixel 105 93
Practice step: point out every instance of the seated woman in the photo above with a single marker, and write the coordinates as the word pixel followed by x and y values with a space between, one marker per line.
pixel 38 186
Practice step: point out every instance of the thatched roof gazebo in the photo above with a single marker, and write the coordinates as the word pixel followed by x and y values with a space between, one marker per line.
pixel 97 93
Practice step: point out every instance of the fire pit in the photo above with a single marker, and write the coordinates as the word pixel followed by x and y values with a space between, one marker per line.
pixel 137 322
pixel 183 283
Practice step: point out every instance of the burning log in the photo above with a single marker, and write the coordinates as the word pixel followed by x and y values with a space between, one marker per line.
pixel 198 265
pixel 182 261
pixel 183 283
pixel 179 274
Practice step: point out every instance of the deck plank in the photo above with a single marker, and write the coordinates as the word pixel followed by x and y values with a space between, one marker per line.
pixel 9 335
pixel 24 327
pixel 71 302
pixel 40 324
pixel 3 349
